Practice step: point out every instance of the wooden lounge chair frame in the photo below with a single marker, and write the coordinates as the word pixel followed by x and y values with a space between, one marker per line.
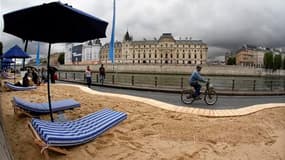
pixel 45 147
pixel 18 110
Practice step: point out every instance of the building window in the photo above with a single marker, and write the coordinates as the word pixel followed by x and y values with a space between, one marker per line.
pixel 149 55
pixel 155 56
pixel 195 56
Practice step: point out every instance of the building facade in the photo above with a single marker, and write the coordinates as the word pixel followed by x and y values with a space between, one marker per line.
pixel 85 53
pixel 165 50
pixel 250 55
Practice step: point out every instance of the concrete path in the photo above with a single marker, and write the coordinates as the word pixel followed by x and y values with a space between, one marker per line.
pixel 226 105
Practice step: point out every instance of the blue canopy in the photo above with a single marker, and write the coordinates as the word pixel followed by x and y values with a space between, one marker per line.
pixel 16 52
pixel 7 60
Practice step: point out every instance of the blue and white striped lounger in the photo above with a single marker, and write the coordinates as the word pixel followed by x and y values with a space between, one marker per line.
pixel 31 108
pixel 51 135
pixel 11 86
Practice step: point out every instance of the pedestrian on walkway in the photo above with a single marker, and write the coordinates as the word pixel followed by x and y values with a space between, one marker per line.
pixel 88 76
pixel 102 74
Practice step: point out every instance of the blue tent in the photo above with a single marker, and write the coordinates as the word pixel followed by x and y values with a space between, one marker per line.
pixel 15 52
pixel 6 63
pixel 7 60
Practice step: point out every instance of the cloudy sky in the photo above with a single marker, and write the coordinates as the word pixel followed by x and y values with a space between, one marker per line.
pixel 223 24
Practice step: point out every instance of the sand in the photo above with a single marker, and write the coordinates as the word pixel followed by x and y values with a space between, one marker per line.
pixel 151 133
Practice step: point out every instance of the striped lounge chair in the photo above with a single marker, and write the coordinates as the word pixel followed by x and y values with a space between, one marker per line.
pixel 52 135
pixel 33 109
pixel 11 86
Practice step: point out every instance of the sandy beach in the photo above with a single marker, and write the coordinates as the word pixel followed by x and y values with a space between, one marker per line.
pixel 151 133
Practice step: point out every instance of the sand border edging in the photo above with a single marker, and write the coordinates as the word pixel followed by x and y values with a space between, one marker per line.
pixel 197 111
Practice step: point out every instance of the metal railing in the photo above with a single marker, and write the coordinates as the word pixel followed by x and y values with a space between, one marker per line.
pixel 171 81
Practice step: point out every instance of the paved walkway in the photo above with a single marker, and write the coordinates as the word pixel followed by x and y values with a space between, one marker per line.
pixel 167 101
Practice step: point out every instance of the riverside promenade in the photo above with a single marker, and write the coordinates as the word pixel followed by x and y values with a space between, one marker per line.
pixel 225 107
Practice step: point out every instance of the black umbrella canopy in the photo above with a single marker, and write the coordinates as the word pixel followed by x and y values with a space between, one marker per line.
pixel 54 23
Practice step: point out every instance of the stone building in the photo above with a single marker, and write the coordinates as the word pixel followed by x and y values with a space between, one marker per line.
pixel 250 55
pixel 165 50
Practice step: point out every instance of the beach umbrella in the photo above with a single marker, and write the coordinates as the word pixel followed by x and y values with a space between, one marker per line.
pixel 15 52
pixel 54 23
pixel 7 60
pixel 6 63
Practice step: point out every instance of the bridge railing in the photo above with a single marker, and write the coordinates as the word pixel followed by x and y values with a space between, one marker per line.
pixel 176 81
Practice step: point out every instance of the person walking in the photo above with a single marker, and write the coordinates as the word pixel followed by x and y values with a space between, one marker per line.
pixel 88 76
pixel 102 74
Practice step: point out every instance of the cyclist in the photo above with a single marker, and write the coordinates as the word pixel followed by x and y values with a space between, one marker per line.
pixel 194 80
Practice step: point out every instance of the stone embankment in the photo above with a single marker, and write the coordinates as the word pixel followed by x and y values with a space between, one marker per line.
pixel 217 70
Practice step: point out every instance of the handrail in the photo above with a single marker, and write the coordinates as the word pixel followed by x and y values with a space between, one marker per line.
pixel 178 81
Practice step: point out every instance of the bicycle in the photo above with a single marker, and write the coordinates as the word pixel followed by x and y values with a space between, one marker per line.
pixel 210 95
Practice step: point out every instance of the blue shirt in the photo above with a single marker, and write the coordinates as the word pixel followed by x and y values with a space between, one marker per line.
pixel 195 77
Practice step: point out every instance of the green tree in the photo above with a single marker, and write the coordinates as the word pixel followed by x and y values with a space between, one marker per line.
pixel 284 62
pixel 277 62
pixel 268 60
pixel 61 58
pixel 231 61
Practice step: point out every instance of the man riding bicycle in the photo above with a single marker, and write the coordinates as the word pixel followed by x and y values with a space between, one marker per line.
pixel 194 82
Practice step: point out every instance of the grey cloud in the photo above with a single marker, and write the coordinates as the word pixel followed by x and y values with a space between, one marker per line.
pixel 222 24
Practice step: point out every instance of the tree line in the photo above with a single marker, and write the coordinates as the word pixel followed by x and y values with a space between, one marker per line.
pixel 270 61
pixel 273 61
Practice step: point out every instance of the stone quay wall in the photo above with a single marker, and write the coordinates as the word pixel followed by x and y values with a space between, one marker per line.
pixel 216 70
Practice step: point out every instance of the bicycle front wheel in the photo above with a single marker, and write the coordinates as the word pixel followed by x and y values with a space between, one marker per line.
pixel 187 96
pixel 211 97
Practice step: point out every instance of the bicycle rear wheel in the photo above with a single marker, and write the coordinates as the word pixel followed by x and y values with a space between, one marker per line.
pixel 187 96
pixel 211 97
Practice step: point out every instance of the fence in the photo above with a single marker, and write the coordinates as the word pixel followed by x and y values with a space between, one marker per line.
pixel 176 81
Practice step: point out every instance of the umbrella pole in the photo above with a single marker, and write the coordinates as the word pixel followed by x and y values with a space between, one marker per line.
pixel 15 72
pixel 48 83
pixel 26 47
